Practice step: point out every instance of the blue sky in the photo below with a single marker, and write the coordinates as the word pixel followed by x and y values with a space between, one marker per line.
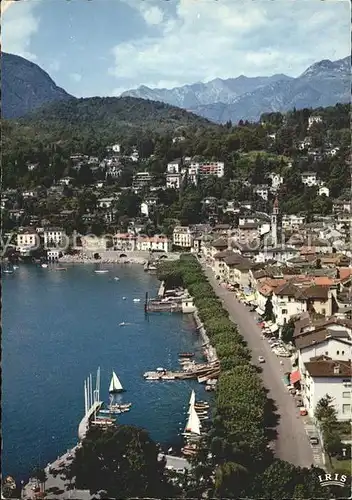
pixel 103 47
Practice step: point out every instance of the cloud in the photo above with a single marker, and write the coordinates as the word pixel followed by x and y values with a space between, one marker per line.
pixel 54 66
pixel 19 24
pixel 152 15
pixel 76 77
pixel 205 39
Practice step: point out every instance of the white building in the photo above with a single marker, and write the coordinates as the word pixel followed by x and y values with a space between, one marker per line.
pixel 262 191
pixel 314 119
pixel 331 340
pixel 173 181
pixel 292 221
pixel 55 237
pixel 66 181
pixel 287 301
pixel 280 253
pixel 116 148
pixel 105 202
pixel 324 191
pixel 146 206
pixel 276 180
pixel 193 172
pixel 141 180
pixel 125 242
pixel 27 238
pixel 158 243
pixel 182 237
pixel 53 254
pixel 324 377
pixel 216 168
pixel 309 179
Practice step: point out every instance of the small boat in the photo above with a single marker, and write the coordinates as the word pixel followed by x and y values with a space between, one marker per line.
pixel 8 271
pixel 116 278
pixel 61 269
pixel 15 267
pixel 101 271
pixel 44 265
pixel 115 384
pixel 136 300
pixel 123 298
pixel 186 355
pixel 122 324
pixel 108 412
pixel 152 377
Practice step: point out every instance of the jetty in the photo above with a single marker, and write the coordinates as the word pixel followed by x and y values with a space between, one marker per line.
pixel 179 302
pixel 202 372
pixel 92 404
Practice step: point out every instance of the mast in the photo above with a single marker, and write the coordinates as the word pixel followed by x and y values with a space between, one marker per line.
pixel 85 398
pixel 88 392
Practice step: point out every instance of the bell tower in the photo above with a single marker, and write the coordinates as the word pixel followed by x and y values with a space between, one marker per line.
pixel 274 222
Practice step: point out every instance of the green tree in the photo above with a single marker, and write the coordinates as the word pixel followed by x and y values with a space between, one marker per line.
pixel 269 311
pixel 288 331
pixel 123 461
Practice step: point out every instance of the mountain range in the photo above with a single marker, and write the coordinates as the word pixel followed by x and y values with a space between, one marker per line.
pixel 323 84
pixel 26 87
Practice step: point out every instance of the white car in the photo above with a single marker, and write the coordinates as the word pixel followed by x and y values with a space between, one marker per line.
pixel 261 359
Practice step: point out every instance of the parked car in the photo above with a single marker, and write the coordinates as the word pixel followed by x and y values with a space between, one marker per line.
pixel 314 440
pixel 261 359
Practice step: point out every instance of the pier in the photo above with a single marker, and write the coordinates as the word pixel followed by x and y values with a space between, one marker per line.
pixel 92 404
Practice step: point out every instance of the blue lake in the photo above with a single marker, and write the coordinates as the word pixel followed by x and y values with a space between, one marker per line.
pixel 59 326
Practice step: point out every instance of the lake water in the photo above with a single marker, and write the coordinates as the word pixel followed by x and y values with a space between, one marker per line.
pixel 59 326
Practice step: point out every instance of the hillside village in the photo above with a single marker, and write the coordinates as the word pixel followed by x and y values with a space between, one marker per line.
pixel 236 209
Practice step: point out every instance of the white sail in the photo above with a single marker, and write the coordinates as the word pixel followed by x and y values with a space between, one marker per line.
pixel 192 400
pixel 115 384
pixel 193 424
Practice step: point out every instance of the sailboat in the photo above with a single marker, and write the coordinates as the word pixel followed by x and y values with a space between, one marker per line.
pixel 115 384
pixel 193 425
pixel 192 400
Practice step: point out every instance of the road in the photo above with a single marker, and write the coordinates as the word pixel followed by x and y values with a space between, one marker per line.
pixel 292 443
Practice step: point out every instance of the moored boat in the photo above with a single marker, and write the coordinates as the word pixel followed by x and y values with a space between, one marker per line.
pixel 186 354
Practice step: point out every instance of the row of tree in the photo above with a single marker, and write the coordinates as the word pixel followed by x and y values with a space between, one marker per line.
pixel 240 460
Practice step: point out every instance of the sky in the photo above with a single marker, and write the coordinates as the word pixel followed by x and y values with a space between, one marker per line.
pixel 103 47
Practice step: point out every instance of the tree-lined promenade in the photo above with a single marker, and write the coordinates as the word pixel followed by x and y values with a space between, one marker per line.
pixel 240 462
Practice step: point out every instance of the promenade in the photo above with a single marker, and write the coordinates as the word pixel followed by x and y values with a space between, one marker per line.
pixel 292 442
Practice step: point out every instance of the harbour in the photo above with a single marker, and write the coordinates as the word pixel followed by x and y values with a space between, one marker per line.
pixel 41 305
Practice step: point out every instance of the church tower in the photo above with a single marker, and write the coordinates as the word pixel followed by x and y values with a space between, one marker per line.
pixel 274 223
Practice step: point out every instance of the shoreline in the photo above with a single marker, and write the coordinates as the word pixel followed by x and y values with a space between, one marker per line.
pixel 90 260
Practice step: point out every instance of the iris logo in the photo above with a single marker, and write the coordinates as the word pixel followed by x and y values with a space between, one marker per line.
pixel 333 480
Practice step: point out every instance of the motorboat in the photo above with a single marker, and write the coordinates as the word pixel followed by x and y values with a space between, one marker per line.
pixel 123 298
pixel 186 355
pixel 136 300
pixel 101 271
pixel 116 278
pixel 44 265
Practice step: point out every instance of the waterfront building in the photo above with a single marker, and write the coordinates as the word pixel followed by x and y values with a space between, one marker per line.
pixel 125 242
pixel 27 238
pixel 183 237
pixel 149 244
pixel 54 237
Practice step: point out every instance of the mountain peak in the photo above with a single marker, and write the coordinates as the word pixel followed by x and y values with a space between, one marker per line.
pixel 25 86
